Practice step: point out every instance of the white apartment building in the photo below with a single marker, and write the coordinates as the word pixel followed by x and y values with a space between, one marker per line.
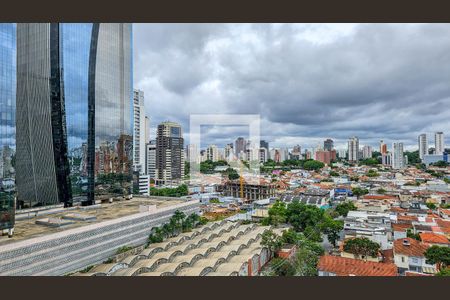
pixel 398 158
pixel 212 153
pixel 439 143
pixel 423 145
pixel 353 149
pixel 367 152
pixel 151 159
pixel 140 131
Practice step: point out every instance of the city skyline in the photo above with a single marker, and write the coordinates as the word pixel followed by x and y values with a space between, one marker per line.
pixel 368 87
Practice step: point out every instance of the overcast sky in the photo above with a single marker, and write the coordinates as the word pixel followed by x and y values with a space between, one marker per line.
pixel 308 82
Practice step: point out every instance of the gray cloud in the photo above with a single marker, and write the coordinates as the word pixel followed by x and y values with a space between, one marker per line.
pixel 307 81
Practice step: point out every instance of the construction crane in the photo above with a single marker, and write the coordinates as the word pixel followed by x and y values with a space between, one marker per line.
pixel 241 180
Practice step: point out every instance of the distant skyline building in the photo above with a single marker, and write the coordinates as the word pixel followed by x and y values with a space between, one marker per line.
pixel 264 144
pixel 367 152
pixel 439 146
pixel 342 153
pixel 228 152
pixel 325 156
pixel 423 145
pixel 74 102
pixel 169 152
pixel 139 131
pixel 353 149
pixel 240 144
pixel 398 158
pixel 328 145
pixel 212 153
pixel 151 159
pixel 383 147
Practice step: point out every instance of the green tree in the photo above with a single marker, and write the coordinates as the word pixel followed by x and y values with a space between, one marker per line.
pixel 369 162
pixel 271 240
pixel 431 205
pixel 313 165
pixel 232 174
pixel 332 229
pixel 357 191
pixel 441 164
pixel 372 173
pixel 334 173
pixel 413 157
pixel 277 213
pixel 281 267
pixel 300 215
pixel 439 256
pixel 343 208
pixel 381 191
pixel 412 235
pixel 362 247
pixel 444 272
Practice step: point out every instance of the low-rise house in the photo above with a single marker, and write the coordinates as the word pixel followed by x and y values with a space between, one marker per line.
pixel 409 256
pixel 434 239
pixel 444 213
pixel 375 226
pixel 400 230
pixel 342 266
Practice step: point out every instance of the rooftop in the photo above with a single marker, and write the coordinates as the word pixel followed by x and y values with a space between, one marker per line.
pixel 343 266
pixel 27 228
pixel 409 247
pixel 433 238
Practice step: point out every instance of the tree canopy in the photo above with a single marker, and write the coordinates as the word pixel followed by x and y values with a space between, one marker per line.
pixel 343 208
pixel 439 256
pixel 362 246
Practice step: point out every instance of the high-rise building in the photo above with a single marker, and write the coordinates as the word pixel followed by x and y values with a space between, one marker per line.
pixel 342 153
pixel 383 147
pixel 398 159
pixel 169 152
pixel 139 132
pixel 325 156
pixel 439 146
pixel 367 152
pixel 386 159
pixel 353 149
pixel 147 130
pixel 296 153
pixel 74 107
pixel 328 145
pixel 239 146
pixel 264 144
pixel 263 155
pixel 228 152
pixel 151 159
pixel 212 153
pixel 423 145
pixel 7 125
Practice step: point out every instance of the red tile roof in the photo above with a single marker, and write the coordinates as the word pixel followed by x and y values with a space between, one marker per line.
pixel 380 197
pixel 433 238
pixel 343 266
pixel 415 248
pixel 401 227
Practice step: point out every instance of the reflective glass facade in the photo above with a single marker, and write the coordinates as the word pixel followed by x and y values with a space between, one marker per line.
pixel 113 108
pixel 7 123
pixel 76 40
pixel 75 99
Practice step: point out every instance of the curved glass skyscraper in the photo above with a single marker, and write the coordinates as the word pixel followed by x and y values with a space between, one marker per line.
pixel 7 123
pixel 74 101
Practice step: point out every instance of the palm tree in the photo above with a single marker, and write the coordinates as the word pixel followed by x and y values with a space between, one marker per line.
pixel 167 230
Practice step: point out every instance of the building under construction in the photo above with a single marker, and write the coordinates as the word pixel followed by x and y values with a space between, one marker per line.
pixel 250 191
